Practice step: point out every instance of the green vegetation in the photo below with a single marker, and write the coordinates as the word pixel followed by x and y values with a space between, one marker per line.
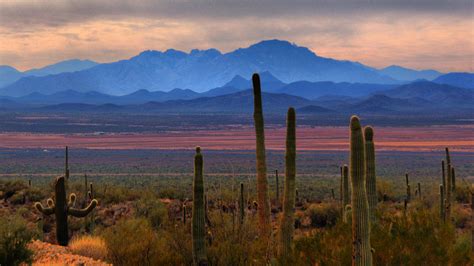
pixel 14 236
pixel 144 218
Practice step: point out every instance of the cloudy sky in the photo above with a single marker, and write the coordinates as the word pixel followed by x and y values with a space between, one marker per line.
pixel 419 34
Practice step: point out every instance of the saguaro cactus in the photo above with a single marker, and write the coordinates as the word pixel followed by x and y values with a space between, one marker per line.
pixel 287 219
pixel 262 182
pixel 341 191
pixel 184 213
pixel 66 163
pixel 199 222
pixel 242 203
pixel 442 208
pixel 419 190
pixel 408 187
pixel 443 175
pixel 62 209
pixel 371 181
pixel 472 217
pixel 361 249
pixel 448 185
pixel 277 187
pixel 453 179
pixel 345 195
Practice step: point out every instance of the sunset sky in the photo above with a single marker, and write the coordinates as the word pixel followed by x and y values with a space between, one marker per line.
pixel 418 34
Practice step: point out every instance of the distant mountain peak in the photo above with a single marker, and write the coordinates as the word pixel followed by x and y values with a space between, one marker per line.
pixel 207 52
pixel 266 76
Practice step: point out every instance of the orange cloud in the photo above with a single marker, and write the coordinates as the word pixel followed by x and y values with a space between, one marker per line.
pixel 444 43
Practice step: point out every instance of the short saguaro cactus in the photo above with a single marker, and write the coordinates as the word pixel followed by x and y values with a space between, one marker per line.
pixel 62 209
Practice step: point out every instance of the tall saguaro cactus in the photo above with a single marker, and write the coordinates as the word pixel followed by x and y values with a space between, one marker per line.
pixel 442 208
pixel 371 181
pixel 419 190
pixel 443 174
pixel 66 163
pixel 407 180
pixel 453 179
pixel 242 204
pixel 287 219
pixel 361 249
pixel 448 188
pixel 277 188
pixel 61 209
pixel 199 220
pixel 262 182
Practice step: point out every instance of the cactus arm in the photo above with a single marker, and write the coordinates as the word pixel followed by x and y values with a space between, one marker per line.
pixel 82 212
pixel 72 200
pixel 44 210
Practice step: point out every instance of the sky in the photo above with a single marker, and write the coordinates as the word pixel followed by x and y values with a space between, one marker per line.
pixel 420 34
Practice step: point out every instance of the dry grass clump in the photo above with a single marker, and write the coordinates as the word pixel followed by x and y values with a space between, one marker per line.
pixel 89 246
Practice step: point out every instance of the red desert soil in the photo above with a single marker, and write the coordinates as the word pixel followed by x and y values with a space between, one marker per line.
pixel 426 138
pixel 48 254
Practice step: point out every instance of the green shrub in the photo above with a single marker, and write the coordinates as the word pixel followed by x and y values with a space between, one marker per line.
pixel 152 209
pixel 331 246
pixel 323 215
pixel 131 242
pixel 14 236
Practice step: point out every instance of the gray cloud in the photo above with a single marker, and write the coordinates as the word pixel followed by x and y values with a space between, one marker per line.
pixel 19 14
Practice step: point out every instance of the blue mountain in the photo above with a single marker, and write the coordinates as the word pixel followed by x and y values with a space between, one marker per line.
pixel 313 90
pixel 9 75
pixel 201 70
pixel 406 74
pixel 458 79
pixel 61 67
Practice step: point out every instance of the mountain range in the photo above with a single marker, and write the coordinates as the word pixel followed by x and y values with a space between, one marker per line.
pixel 9 75
pixel 413 98
pixel 200 71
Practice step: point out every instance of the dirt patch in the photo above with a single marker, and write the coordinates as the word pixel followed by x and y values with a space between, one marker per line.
pixel 48 254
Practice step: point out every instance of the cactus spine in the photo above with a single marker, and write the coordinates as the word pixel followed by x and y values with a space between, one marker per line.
pixel 262 182
pixel 371 181
pixel 199 230
pixel 361 250
pixel 407 180
pixel 442 208
pixel 287 219
pixel 62 209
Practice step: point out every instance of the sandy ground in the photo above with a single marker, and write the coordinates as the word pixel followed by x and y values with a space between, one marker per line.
pixel 458 138
pixel 48 254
